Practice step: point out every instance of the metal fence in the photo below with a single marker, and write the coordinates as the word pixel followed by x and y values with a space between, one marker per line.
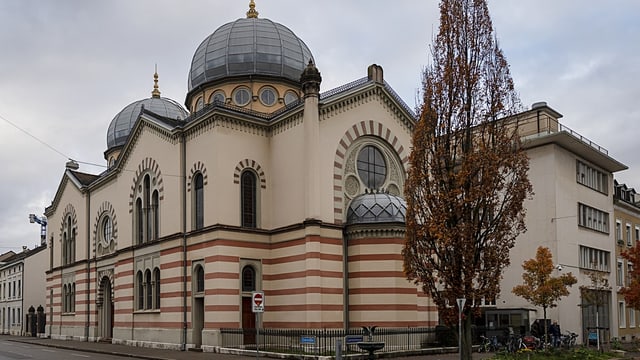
pixel 324 342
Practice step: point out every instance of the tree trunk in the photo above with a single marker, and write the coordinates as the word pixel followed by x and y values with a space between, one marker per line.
pixel 467 343
pixel 545 341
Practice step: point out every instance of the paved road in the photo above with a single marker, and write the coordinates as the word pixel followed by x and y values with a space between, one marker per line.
pixel 16 348
pixel 10 350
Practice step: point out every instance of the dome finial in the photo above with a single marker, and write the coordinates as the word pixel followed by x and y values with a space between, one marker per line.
pixel 252 13
pixel 156 92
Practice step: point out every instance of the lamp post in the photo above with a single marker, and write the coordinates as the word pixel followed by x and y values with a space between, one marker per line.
pixel 43 226
pixel 460 302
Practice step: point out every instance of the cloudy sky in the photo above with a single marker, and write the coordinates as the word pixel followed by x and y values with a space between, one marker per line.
pixel 67 67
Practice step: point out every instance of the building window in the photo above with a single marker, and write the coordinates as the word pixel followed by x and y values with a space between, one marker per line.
pixel 629 271
pixel 156 288
pixel 68 241
pixel 290 97
pixel 241 96
pixel 628 234
pixel 268 96
pixel 594 259
pixel 198 197
pixel 147 289
pixel 618 231
pixel 199 104
pixel 372 168
pixel 637 234
pixel 248 278
pixel 620 273
pixel 19 289
pixel 199 279
pixel 147 213
pixel 592 178
pixel 593 218
pixel 140 287
pixel 107 230
pixel 217 97
pixel 632 317
pixel 622 321
pixel 248 199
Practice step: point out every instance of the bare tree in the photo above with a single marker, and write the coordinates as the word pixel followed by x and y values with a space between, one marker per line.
pixel 468 173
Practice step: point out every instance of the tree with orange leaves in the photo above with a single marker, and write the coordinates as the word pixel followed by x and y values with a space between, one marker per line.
pixel 468 172
pixel 539 287
pixel 631 292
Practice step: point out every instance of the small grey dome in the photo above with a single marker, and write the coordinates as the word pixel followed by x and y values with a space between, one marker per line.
pixel 374 208
pixel 123 122
pixel 250 46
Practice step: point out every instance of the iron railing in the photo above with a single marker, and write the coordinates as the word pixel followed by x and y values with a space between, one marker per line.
pixel 323 342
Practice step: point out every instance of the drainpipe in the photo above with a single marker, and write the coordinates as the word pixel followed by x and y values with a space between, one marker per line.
pixel 88 212
pixel 22 299
pixel 183 170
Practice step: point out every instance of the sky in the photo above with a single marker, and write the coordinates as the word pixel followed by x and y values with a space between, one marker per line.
pixel 67 67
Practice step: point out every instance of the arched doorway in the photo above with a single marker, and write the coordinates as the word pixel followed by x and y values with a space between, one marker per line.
pixel 105 309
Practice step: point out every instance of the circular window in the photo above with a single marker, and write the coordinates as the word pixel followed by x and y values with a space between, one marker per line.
pixel 372 168
pixel 268 96
pixel 199 104
pixel 290 97
pixel 241 96
pixel 217 97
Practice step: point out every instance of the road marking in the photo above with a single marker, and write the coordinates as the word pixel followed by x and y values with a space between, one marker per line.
pixel 47 350
pixel 80 355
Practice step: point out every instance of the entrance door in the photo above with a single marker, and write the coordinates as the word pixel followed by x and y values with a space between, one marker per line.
pixel 105 310
pixel 198 321
pixel 248 321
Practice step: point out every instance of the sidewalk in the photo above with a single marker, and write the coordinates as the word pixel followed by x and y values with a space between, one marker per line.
pixel 163 354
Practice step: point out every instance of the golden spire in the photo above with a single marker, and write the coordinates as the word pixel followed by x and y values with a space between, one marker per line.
pixel 156 92
pixel 252 13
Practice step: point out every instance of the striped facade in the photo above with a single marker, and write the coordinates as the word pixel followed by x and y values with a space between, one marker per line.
pixel 166 247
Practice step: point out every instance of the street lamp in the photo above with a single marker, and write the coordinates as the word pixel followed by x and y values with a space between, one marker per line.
pixel 43 226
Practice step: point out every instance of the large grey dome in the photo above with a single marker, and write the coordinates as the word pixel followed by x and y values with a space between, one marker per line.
pixel 123 122
pixel 372 208
pixel 249 46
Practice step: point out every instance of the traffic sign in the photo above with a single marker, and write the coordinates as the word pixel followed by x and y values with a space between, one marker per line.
pixel 257 300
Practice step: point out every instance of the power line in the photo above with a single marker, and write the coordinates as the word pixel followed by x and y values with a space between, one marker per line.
pixel 34 137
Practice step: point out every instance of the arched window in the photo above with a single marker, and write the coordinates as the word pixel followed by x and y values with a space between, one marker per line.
pixel 147 216
pixel 68 242
pixel 140 283
pixel 248 278
pixel 156 288
pixel 72 300
pixel 199 279
pixel 148 289
pixel 155 218
pixel 147 206
pixel 248 199
pixel 139 222
pixel 198 201
pixel 64 298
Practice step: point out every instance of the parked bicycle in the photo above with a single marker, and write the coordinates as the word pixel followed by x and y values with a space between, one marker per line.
pixel 489 344
pixel 568 339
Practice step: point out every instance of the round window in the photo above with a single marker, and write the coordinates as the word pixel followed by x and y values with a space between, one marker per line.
pixel 290 97
pixel 217 97
pixel 372 168
pixel 241 96
pixel 268 96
